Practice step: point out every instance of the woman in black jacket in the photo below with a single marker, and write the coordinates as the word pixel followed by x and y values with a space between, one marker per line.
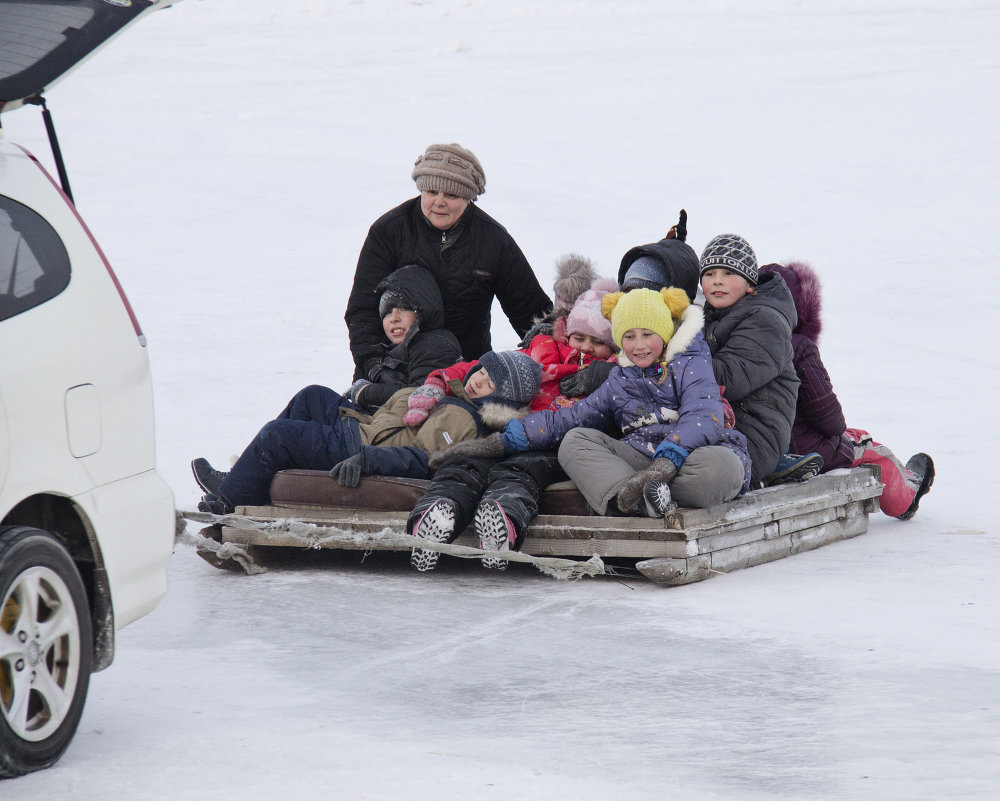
pixel 471 256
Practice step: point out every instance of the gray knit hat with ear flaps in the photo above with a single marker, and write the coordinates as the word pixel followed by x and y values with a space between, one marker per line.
pixel 517 376
pixel 451 169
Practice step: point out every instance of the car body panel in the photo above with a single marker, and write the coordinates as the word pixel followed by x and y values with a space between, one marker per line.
pixel 75 377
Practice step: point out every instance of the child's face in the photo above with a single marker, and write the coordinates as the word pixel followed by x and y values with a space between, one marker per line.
pixel 723 287
pixel 397 324
pixel 480 384
pixel 585 343
pixel 642 347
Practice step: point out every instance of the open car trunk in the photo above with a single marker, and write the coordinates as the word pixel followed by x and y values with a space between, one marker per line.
pixel 42 40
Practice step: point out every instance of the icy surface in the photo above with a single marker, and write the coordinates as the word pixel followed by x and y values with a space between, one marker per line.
pixel 230 156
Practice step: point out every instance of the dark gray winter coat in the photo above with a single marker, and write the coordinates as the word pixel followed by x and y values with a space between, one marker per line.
pixel 428 345
pixel 751 343
pixel 473 262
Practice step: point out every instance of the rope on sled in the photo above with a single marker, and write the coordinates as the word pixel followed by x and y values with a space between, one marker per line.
pixel 313 535
pixel 223 552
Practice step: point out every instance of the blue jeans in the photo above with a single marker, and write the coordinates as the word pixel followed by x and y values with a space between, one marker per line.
pixel 308 434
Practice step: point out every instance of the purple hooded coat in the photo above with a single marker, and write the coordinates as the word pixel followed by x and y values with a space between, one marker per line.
pixel 819 419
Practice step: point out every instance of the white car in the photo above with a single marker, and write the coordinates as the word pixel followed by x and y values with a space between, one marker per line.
pixel 86 523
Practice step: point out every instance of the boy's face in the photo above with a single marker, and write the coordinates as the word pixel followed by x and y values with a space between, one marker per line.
pixel 585 343
pixel 723 287
pixel 642 346
pixel 397 324
pixel 480 384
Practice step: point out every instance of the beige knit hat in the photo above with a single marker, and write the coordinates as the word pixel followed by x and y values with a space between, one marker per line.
pixel 449 168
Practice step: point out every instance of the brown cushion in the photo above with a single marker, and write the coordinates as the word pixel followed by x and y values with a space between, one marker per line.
pixel 391 494
pixel 563 498
pixel 319 488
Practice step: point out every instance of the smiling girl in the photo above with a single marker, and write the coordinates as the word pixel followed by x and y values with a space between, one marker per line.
pixel 663 405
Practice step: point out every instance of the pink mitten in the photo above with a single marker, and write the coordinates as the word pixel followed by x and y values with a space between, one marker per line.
pixel 420 403
pixel 728 416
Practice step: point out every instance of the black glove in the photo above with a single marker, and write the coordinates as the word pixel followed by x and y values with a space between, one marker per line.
pixel 585 380
pixel 373 368
pixel 487 447
pixel 681 229
pixel 543 326
pixel 348 472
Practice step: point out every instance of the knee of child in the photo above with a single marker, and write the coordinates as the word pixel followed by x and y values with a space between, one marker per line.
pixel 570 444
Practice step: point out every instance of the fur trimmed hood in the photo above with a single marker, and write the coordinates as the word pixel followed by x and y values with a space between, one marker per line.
pixel 807 292
pixel 689 324
pixel 496 415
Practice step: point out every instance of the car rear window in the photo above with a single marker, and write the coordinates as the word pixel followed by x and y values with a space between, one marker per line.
pixel 34 264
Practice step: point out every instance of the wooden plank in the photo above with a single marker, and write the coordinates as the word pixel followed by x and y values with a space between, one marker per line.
pixel 674 572
pixel 834 531
pixel 725 561
pixel 365 538
pixel 817 492
pixel 717 541
pixel 686 546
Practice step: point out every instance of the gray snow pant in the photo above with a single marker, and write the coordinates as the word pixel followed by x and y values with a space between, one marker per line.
pixel 599 464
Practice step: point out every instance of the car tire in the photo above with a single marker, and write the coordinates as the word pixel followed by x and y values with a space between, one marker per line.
pixel 46 649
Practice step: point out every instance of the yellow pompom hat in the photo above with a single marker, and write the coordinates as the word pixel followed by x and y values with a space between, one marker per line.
pixel 644 308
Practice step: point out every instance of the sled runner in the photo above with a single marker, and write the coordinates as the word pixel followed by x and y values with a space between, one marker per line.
pixel 567 539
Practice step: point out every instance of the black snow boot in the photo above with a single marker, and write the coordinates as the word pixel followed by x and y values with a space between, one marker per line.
pixel 208 478
pixel 792 467
pixel 215 504
pixel 920 464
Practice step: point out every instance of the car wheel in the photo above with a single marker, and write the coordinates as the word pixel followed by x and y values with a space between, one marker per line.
pixel 45 649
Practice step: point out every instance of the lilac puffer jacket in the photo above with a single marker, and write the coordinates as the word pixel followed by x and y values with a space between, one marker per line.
pixel 684 410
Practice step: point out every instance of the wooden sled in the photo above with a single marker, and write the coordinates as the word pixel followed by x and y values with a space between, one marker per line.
pixel 310 510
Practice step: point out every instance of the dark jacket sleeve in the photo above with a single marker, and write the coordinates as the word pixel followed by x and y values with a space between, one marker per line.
pixel 387 460
pixel 521 296
pixel 364 326
pixel 818 405
pixel 427 352
pixel 753 354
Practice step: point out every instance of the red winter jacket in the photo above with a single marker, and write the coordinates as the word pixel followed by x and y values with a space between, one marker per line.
pixel 557 359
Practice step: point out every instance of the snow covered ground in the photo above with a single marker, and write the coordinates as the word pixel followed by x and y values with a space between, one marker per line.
pixel 230 156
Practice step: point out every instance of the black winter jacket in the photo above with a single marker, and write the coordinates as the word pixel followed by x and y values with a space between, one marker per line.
pixel 473 262
pixel 680 263
pixel 429 346
pixel 751 343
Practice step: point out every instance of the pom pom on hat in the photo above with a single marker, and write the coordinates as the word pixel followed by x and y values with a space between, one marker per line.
pixel 644 308
pixel 451 169
pixel 516 375
pixel 574 274
pixel 730 252
pixel 586 316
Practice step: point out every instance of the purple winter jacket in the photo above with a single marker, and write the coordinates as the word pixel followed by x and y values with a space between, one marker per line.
pixel 686 409
pixel 819 419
